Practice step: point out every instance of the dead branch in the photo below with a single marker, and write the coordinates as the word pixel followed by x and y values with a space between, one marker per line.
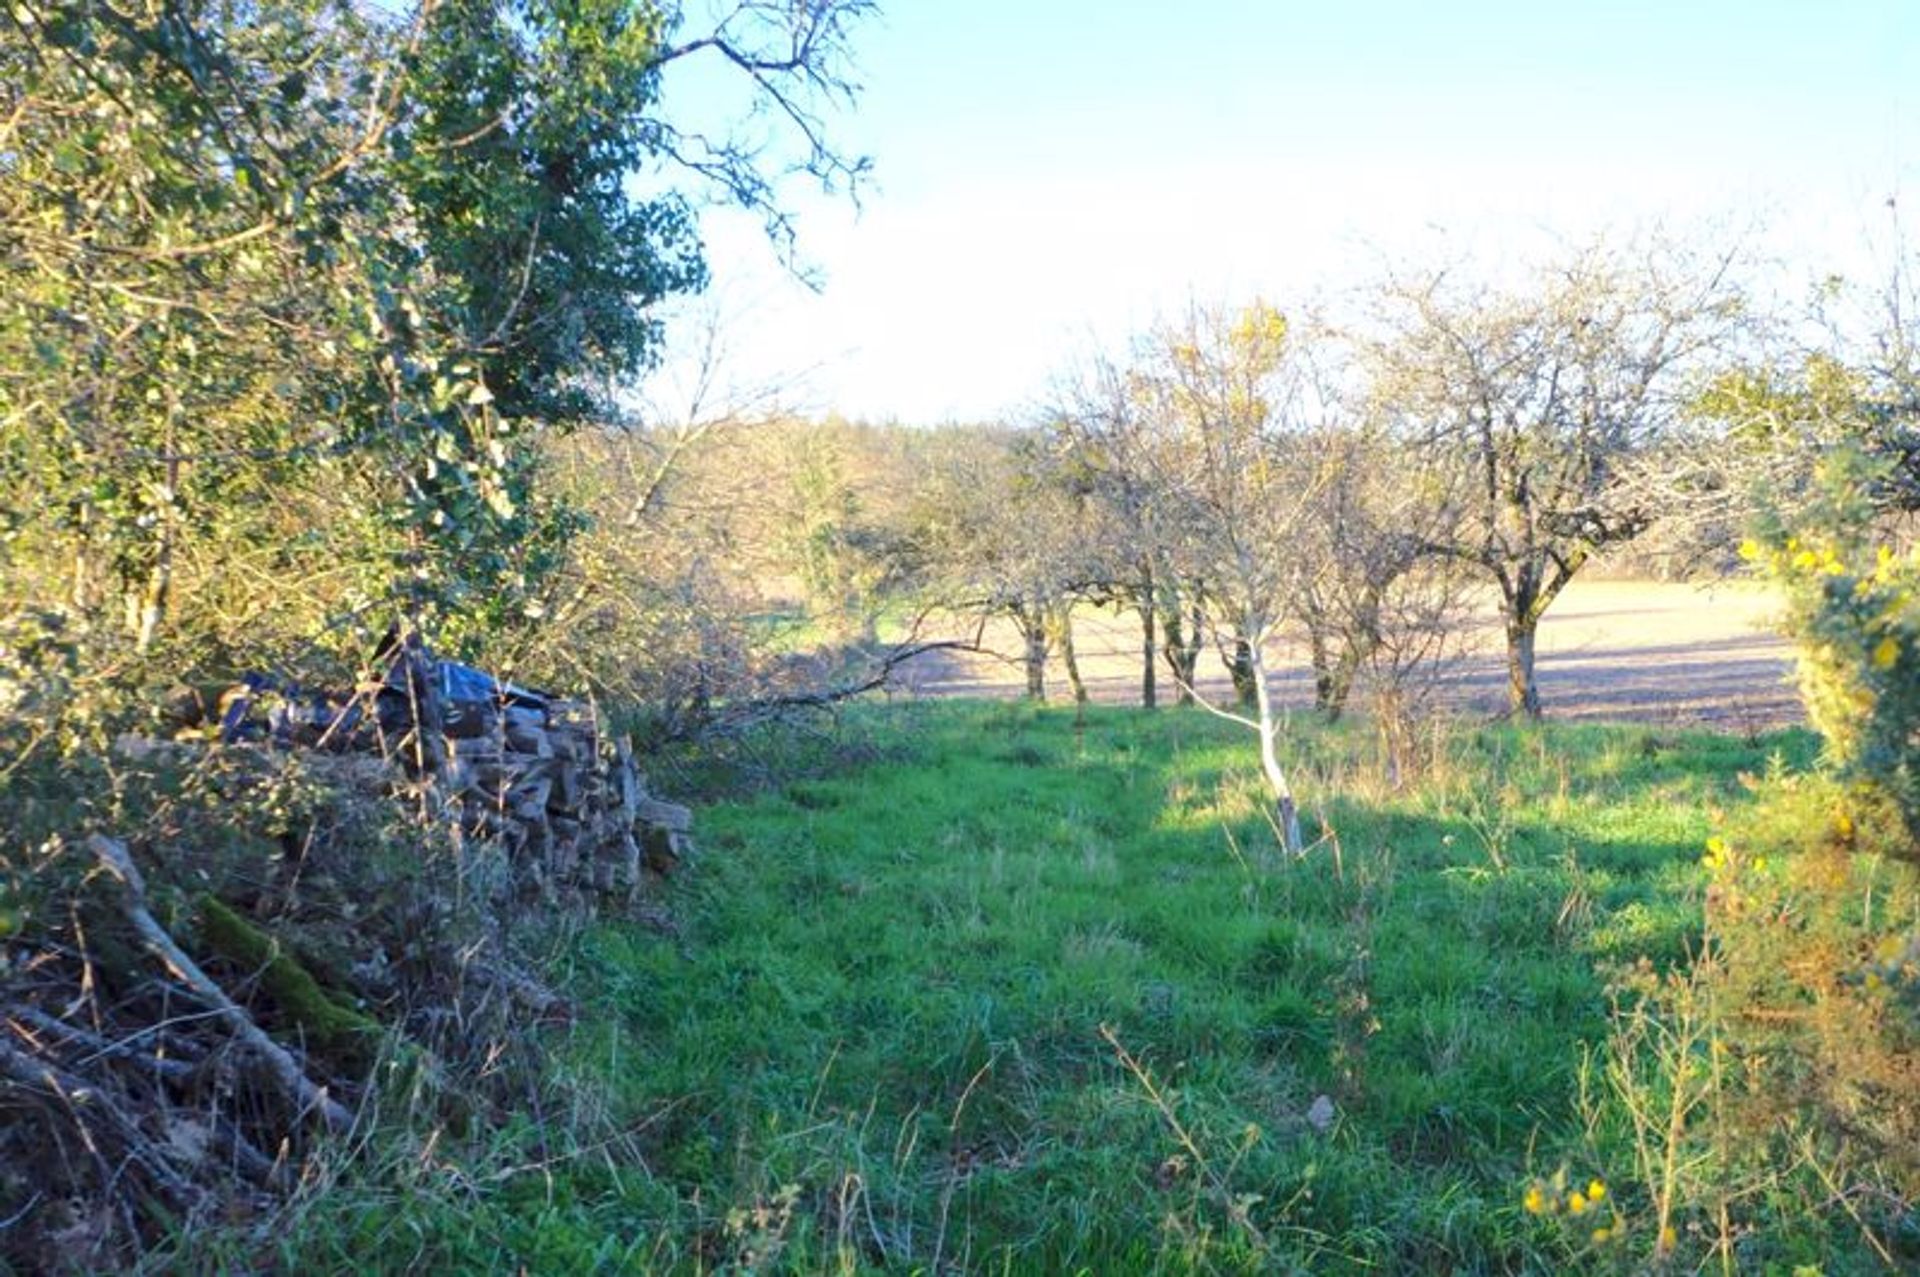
pixel 274 1058
pixel 78 1097
pixel 102 1048
pixel 760 710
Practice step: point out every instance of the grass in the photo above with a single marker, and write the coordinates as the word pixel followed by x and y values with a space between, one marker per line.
pixel 1021 991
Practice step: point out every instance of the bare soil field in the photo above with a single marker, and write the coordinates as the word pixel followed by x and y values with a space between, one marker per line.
pixel 1624 650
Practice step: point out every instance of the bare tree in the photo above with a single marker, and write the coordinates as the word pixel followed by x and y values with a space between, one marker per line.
pixel 1208 400
pixel 1106 455
pixel 1002 537
pixel 792 64
pixel 1534 410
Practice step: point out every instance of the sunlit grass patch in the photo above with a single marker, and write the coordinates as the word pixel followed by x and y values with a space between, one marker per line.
pixel 897 1023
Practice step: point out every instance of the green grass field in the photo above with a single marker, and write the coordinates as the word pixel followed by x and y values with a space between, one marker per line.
pixel 1020 992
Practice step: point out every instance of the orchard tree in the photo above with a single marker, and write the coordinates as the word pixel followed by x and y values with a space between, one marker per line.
pixel 1110 453
pixel 1208 428
pixel 1092 431
pixel 1538 412
pixel 1228 390
pixel 1366 534
pixel 1002 535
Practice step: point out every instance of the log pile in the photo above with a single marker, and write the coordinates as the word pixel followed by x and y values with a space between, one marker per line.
pixel 539 774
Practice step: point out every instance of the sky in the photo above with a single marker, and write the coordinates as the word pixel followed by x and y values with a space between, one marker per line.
pixel 1050 176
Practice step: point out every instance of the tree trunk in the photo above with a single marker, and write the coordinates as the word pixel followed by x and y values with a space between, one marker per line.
pixel 1523 693
pixel 80 591
pixel 1240 669
pixel 1033 628
pixel 1320 655
pixel 1396 735
pixel 1148 693
pixel 1339 684
pixel 1062 626
pixel 1182 650
pixel 159 587
pixel 153 602
pixel 1286 812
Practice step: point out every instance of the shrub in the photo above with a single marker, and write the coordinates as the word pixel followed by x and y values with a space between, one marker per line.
pixel 1853 609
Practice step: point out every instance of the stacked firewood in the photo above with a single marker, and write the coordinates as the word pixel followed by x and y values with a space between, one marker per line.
pixel 536 772
pixel 570 806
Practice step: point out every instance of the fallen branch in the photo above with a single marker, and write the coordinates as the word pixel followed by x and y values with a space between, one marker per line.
pixel 101 1048
pixel 252 1163
pixel 36 1074
pixel 759 710
pixel 278 1063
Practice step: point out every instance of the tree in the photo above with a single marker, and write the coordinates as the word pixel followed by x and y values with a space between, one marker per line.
pixel 167 344
pixel 1003 536
pixel 1108 455
pixel 521 127
pixel 296 284
pixel 1539 410
pixel 1366 536
pixel 1211 408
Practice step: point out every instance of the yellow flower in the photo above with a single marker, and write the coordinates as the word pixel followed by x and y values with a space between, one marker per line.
pixel 1601 1236
pixel 1536 1202
pixel 1577 1203
pixel 1668 1239
pixel 1596 1191
pixel 1886 653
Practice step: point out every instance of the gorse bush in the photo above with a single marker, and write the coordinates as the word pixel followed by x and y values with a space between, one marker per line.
pixel 1853 607
pixel 1775 1074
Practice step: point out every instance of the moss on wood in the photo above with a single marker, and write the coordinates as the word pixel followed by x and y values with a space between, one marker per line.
pixel 327 1023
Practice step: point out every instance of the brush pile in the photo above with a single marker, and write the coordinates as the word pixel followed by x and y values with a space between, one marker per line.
pixel 288 913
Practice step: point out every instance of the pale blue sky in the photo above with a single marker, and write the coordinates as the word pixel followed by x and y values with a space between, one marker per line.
pixel 1051 175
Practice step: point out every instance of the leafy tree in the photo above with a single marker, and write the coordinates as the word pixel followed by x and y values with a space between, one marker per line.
pixel 166 344
pixel 294 285
pixel 524 125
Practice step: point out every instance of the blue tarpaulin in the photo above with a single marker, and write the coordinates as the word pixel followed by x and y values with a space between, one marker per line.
pixel 463 684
